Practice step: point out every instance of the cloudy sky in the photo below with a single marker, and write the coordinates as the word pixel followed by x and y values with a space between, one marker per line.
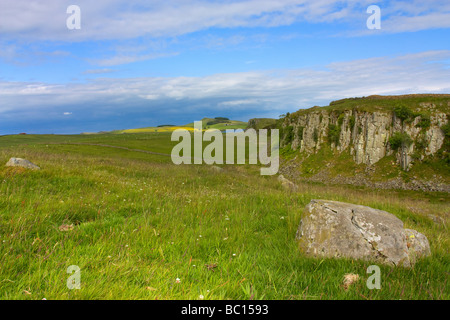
pixel 149 62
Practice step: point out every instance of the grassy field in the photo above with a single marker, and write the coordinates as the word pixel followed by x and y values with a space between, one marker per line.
pixel 144 228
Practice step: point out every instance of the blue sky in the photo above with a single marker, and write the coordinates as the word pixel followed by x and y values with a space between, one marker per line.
pixel 145 63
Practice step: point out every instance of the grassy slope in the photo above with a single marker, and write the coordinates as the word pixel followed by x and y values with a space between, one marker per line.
pixel 384 103
pixel 140 222
pixel 261 123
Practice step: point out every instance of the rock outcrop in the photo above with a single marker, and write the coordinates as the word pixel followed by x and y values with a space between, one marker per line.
pixel 366 134
pixel 338 229
pixel 19 162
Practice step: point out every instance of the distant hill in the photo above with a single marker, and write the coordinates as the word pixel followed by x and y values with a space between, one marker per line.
pixel 220 124
pixel 261 123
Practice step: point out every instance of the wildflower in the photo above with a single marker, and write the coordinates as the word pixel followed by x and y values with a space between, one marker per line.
pixel 201 297
pixel 177 280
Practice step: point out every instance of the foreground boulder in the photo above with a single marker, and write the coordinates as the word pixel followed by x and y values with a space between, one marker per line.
pixel 338 229
pixel 19 162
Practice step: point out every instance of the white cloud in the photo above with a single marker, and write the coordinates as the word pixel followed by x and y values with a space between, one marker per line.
pixel 259 92
pixel 125 59
pixel 99 71
pixel 120 19
pixel 238 102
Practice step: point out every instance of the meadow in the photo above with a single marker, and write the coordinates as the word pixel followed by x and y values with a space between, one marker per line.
pixel 140 227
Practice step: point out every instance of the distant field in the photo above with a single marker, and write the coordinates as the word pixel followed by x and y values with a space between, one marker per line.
pixel 141 222
pixel 231 124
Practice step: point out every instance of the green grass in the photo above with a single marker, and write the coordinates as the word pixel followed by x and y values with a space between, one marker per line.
pixel 225 125
pixel 141 222
pixel 385 104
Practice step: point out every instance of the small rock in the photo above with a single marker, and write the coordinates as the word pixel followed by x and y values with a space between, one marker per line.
pixel 289 185
pixel 65 227
pixel 216 168
pixel 349 279
pixel 436 219
pixel 19 162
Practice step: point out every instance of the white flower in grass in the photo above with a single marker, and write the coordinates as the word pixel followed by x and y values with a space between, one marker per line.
pixel 201 297
pixel 177 280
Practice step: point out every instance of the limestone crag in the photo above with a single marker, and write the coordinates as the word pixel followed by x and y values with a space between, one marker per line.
pixel 365 134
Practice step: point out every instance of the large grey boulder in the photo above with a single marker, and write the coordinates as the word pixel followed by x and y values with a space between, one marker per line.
pixel 338 229
pixel 19 162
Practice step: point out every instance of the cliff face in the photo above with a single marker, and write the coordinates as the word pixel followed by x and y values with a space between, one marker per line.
pixel 366 134
pixel 410 132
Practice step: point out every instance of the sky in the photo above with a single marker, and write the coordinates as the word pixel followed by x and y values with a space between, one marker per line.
pixel 128 64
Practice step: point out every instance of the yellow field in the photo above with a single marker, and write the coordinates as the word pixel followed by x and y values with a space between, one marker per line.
pixel 154 129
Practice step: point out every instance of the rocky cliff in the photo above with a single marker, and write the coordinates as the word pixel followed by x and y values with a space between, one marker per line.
pixel 409 128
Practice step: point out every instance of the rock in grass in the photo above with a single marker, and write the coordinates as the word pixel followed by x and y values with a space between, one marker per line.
pixel 287 184
pixel 19 162
pixel 65 227
pixel 338 229
pixel 216 168
pixel 418 245
pixel 350 279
